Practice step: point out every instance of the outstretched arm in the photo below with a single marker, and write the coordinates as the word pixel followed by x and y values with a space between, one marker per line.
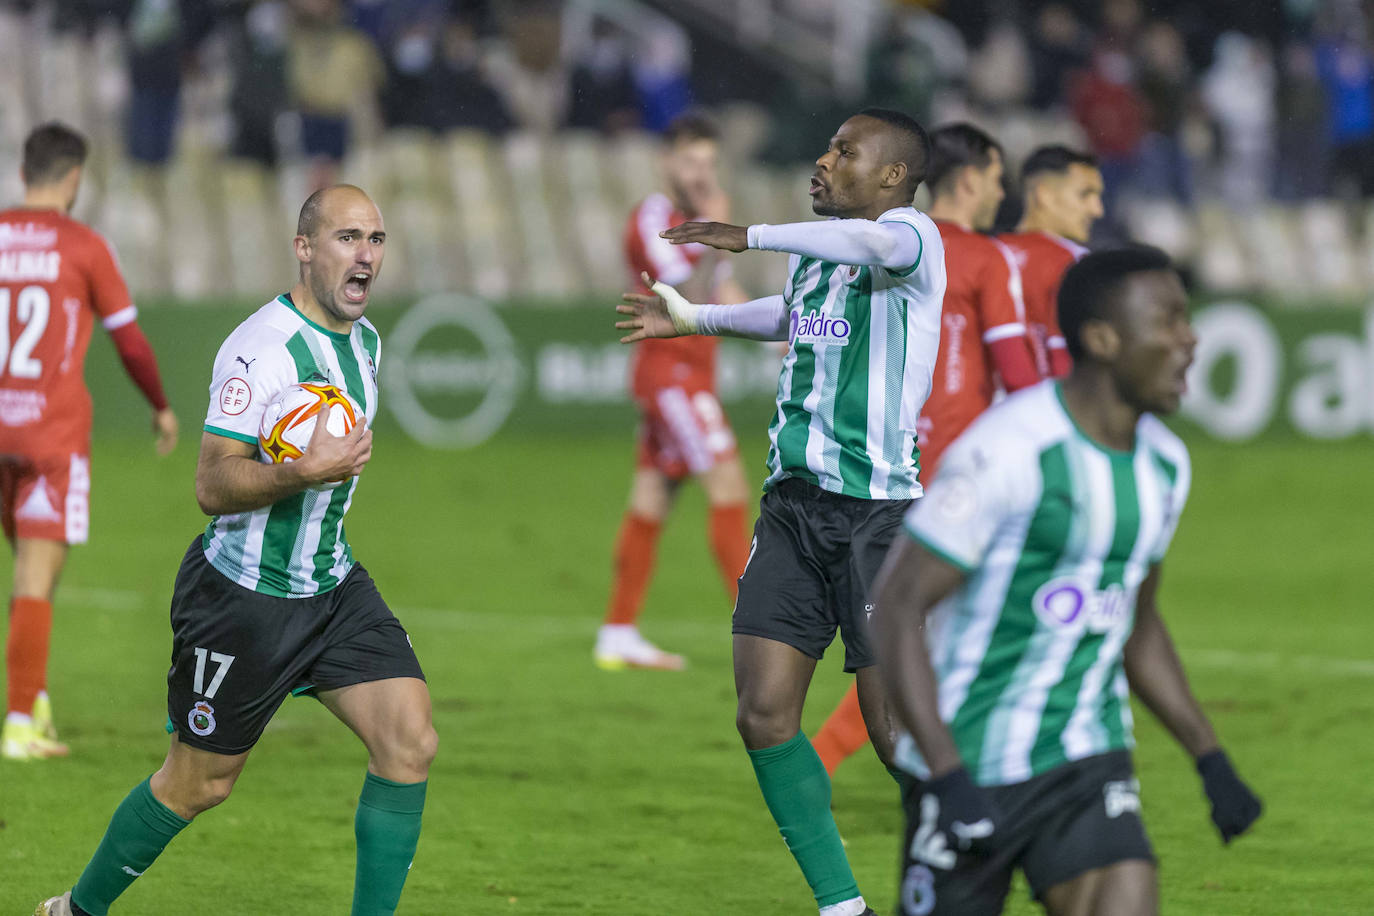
pixel 668 314
pixel 895 244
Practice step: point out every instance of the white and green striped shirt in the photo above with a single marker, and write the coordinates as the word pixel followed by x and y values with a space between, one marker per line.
pixel 1056 533
pixel 863 344
pixel 296 547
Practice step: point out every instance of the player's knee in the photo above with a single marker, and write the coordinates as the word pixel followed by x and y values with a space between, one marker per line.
pixel 762 726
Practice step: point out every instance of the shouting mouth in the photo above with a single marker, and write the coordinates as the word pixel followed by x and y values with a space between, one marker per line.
pixel 356 286
pixel 817 186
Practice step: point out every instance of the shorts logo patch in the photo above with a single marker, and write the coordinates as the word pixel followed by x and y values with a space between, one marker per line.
pixel 1120 796
pixel 40 506
pixel 201 718
pixel 235 396
pixel 918 891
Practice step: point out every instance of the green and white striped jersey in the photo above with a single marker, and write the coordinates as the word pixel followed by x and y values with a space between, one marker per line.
pixel 296 547
pixel 863 342
pixel 1056 533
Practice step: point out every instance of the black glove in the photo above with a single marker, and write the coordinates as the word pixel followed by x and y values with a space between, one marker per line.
pixel 955 816
pixel 1234 806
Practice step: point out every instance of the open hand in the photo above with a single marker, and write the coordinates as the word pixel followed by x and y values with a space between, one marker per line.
pixel 716 235
pixel 649 316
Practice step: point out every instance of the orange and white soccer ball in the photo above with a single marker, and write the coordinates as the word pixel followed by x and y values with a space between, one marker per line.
pixel 289 420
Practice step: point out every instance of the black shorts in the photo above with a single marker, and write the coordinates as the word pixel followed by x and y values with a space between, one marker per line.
pixel 814 558
pixel 1056 826
pixel 237 653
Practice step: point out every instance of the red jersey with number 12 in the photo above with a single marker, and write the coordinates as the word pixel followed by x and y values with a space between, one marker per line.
pixel 56 275
pixel 670 362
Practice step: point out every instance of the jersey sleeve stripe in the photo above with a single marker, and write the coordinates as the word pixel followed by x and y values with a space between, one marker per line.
pixel 230 434
pixel 1057 342
pixel 1014 284
pixel 1003 331
pixel 120 318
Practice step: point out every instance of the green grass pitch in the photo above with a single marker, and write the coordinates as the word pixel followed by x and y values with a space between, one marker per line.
pixel 563 789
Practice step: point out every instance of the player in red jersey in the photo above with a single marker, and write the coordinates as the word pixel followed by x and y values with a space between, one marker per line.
pixel 1063 197
pixel 56 277
pixel 983 343
pixel 683 430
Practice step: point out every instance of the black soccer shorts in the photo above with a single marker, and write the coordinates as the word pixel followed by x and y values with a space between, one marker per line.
pixel 237 653
pixel 1079 816
pixel 811 568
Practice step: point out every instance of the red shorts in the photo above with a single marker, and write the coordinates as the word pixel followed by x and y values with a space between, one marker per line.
pixel 47 500
pixel 683 431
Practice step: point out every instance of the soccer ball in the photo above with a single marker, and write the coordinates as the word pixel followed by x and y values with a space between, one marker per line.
pixel 289 419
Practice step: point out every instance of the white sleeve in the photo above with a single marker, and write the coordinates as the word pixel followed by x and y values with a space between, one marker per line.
pixel 246 378
pixel 963 509
pixel 892 244
pixel 758 319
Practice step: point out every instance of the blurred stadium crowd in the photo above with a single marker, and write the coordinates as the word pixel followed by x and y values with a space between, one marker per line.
pixel 510 138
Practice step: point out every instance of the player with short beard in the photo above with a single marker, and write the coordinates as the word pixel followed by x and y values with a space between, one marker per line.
pixel 861 312
pixel 1062 190
pixel 269 601
pixel 683 431
pixel 983 343
pixel 1021 610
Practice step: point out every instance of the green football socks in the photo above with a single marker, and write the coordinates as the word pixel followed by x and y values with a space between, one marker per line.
pixel 797 791
pixel 141 828
pixel 388 830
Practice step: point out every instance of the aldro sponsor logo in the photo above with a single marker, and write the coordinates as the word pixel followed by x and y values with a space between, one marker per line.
pixel 819 329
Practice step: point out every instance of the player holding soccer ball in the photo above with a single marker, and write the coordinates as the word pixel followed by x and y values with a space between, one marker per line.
pixel 56 277
pixel 269 601
pixel 1021 610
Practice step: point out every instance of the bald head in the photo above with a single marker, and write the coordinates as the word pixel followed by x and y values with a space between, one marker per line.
pixel 314 208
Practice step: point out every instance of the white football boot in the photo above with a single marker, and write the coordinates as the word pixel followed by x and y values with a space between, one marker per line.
pixel 620 646
pixel 55 906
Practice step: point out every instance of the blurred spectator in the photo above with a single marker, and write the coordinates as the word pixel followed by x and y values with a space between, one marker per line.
pixel 1166 89
pixel 1347 72
pixel 257 58
pixel 333 69
pixel 1238 91
pixel 436 79
pixel 162 36
pixel 1106 104
pixel 603 89
pixel 662 76
pixel 917 61
pixel 1000 72
pixel 1303 143
pixel 1058 48
pixel 527 69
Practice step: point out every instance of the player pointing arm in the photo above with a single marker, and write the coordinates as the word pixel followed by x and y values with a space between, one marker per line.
pixel 861 314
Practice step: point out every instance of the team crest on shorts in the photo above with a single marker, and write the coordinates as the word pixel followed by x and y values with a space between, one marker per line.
pixel 201 718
